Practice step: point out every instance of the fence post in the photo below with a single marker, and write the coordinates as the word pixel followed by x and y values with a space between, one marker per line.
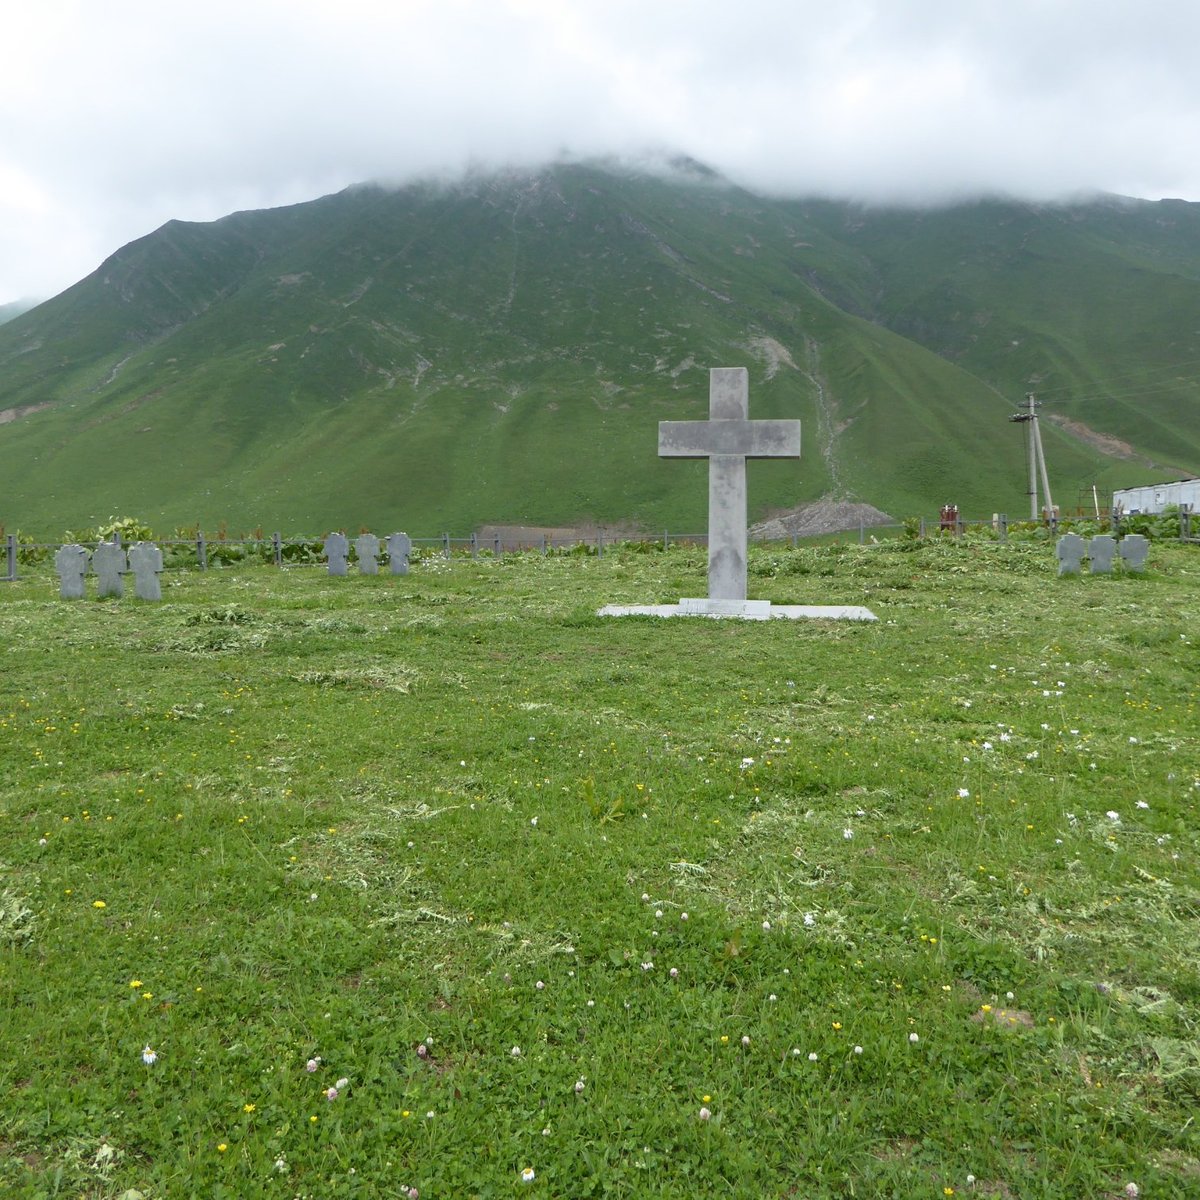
pixel 445 545
pixel 922 529
pixel 117 538
pixel 474 545
pixel 599 543
pixel 10 548
pixel 277 545
pixel 498 547
pixel 201 553
pixel 1004 527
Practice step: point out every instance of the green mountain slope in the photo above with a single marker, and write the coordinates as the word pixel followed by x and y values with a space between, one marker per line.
pixel 501 349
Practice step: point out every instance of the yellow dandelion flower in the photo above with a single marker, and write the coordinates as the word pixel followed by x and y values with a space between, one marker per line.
pixel 135 983
pixel 99 904
pixel 221 1147
pixel 248 1108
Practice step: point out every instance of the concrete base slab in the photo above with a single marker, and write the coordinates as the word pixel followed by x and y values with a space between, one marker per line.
pixel 743 610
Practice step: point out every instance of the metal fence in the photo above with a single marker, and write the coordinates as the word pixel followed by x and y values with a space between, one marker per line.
pixel 202 552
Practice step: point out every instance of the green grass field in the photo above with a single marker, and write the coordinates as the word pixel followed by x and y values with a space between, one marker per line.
pixel 441 883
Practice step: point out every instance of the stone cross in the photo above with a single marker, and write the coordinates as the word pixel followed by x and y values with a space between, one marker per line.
pixel 727 439
pixel 145 561
pixel 1133 549
pixel 1069 549
pixel 71 562
pixel 399 547
pixel 366 547
pixel 1100 554
pixel 337 547
pixel 109 563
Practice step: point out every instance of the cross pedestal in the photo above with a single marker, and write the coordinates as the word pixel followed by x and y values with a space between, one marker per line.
pixel 727 439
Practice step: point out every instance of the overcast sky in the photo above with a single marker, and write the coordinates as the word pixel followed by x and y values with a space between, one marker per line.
pixel 118 115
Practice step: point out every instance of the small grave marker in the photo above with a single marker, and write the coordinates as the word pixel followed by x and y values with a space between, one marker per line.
pixel 1100 554
pixel 110 563
pixel 1069 549
pixel 337 548
pixel 71 563
pixel 366 548
pixel 1133 550
pixel 145 561
pixel 399 547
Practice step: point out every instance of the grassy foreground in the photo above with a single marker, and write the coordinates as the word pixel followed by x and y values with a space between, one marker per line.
pixel 317 887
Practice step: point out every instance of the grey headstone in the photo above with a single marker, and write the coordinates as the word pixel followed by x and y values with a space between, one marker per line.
pixel 1069 549
pixel 399 547
pixel 109 563
pixel 337 547
pixel 727 439
pixel 71 564
pixel 1133 550
pixel 366 547
pixel 1100 552
pixel 145 561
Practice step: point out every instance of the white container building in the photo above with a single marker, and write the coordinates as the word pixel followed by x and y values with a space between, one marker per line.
pixel 1154 497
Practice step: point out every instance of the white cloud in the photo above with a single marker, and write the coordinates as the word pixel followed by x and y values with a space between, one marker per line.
pixel 117 117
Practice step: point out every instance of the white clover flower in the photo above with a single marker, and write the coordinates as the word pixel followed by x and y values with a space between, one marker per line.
pixel 812 1056
pixel 331 1094
pixel 515 1052
pixel 964 793
pixel 1132 1191
pixel 528 1175
pixel 579 1086
pixel 847 833
pixel 704 1114
pixel 1113 816
pixel 1142 804
pixel 766 926
pixel 674 972
pixel 342 1083
pixel 541 987
pixel 857 1049
pixel 809 920
pixel 914 1038
pixel 312 1064
pixel 746 1039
